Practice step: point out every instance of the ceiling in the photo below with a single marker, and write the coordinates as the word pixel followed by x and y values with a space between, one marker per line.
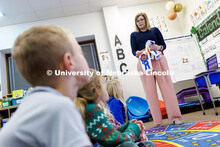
pixel 21 11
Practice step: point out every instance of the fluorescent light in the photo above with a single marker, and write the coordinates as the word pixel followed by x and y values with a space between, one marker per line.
pixel 2 14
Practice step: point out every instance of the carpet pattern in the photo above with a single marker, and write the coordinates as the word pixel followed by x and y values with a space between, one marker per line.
pixel 200 134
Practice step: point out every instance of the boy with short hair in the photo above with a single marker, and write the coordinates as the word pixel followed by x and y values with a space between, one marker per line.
pixel 47 116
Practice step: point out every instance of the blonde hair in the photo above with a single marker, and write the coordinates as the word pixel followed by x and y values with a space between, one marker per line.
pixel 146 21
pixel 114 89
pixel 106 110
pixel 88 92
pixel 40 49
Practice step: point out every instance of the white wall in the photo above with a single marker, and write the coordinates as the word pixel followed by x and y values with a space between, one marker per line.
pixel 184 16
pixel 79 25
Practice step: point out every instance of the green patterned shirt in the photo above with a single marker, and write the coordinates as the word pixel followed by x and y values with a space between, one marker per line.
pixel 101 131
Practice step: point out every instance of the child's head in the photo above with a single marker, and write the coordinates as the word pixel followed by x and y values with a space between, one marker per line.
pixel 115 90
pixel 44 48
pixel 93 92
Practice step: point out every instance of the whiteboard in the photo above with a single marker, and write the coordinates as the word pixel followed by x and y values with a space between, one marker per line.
pixel 184 58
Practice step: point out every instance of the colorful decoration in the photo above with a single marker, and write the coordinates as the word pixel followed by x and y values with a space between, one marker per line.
pixel 173 8
pixel 202 9
pixel 209 4
pixel 154 54
pixel 170 5
pixel 178 7
pixel 160 23
pixel 147 55
pixel 201 134
pixel 146 62
pixel 172 15
pixel 17 93
pixel 193 30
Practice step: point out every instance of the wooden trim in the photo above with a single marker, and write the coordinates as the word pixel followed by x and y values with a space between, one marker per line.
pixel 97 55
pixel 86 41
pixel 7 72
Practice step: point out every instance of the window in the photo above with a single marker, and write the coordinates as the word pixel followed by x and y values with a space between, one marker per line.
pixel 16 81
pixel 90 53
pixel 14 78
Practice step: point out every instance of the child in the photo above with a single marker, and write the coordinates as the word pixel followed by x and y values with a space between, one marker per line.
pixel 47 117
pixel 117 124
pixel 115 96
pixel 98 128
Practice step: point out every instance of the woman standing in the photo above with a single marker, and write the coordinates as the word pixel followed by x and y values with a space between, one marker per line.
pixel 143 33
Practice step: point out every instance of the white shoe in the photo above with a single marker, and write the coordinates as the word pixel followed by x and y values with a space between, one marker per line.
pixel 160 125
pixel 177 122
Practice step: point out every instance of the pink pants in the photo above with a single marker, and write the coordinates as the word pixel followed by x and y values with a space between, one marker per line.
pixel 166 87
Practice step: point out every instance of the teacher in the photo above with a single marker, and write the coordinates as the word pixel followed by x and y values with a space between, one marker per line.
pixel 143 33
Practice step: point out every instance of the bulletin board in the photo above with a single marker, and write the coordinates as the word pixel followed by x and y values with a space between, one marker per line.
pixel 184 58
pixel 208 35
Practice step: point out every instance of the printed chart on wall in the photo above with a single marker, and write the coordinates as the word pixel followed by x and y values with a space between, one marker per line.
pixel 208 35
pixel 160 23
pixel 203 9
pixel 105 60
pixel 184 58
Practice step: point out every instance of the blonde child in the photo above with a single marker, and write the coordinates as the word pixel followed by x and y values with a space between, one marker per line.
pixel 97 126
pixel 116 106
pixel 116 100
pixel 47 117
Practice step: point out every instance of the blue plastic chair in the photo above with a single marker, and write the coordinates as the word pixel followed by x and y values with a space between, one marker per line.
pixel 200 81
pixel 204 80
pixel 144 118
pixel 137 108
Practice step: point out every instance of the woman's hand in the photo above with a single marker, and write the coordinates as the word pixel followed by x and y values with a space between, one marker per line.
pixel 138 53
pixel 156 47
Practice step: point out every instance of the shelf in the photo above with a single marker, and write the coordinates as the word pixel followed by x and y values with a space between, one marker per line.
pixel 10 107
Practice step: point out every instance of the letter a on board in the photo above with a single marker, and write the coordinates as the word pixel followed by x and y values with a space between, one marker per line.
pixel 117 41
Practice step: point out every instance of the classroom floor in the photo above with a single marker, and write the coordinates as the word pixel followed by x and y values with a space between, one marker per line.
pixel 196 116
